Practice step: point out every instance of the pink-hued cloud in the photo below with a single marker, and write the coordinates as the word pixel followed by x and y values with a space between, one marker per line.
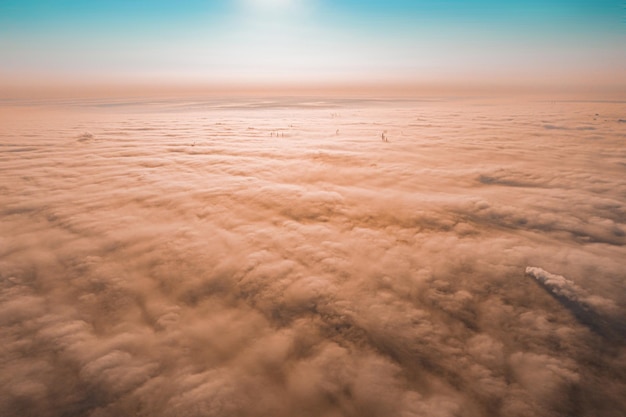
pixel 262 256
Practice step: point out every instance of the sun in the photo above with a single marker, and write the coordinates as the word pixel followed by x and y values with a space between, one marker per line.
pixel 271 4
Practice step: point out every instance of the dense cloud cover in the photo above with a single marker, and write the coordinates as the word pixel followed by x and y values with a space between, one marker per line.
pixel 277 258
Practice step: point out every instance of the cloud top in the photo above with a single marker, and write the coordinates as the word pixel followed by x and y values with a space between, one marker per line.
pixel 186 260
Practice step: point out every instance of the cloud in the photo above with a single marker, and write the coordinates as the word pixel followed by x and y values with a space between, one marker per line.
pixel 564 288
pixel 600 314
pixel 183 264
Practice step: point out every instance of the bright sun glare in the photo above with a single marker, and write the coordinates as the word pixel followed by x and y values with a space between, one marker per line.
pixel 270 4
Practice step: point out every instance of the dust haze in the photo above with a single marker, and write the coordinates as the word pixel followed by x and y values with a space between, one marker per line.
pixel 276 257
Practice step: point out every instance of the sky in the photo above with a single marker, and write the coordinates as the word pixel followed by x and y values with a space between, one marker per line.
pixel 276 41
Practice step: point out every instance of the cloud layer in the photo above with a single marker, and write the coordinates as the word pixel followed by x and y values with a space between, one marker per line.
pixel 254 258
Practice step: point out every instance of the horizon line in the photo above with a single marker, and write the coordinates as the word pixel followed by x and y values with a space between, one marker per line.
pixel 18 89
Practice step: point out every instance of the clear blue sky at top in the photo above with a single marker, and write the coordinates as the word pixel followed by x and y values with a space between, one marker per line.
pixel 119 18
pixel 201 35
pixel 15 13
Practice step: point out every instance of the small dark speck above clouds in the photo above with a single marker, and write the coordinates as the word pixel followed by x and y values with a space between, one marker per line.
pixel 243 258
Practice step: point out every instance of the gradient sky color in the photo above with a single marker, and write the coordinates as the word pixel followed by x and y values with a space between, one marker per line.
pixel 576 41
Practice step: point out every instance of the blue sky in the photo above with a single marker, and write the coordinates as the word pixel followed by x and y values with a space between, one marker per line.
pixel 300 40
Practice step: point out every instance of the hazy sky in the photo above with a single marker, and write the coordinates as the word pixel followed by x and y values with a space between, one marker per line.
pixel 576 41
